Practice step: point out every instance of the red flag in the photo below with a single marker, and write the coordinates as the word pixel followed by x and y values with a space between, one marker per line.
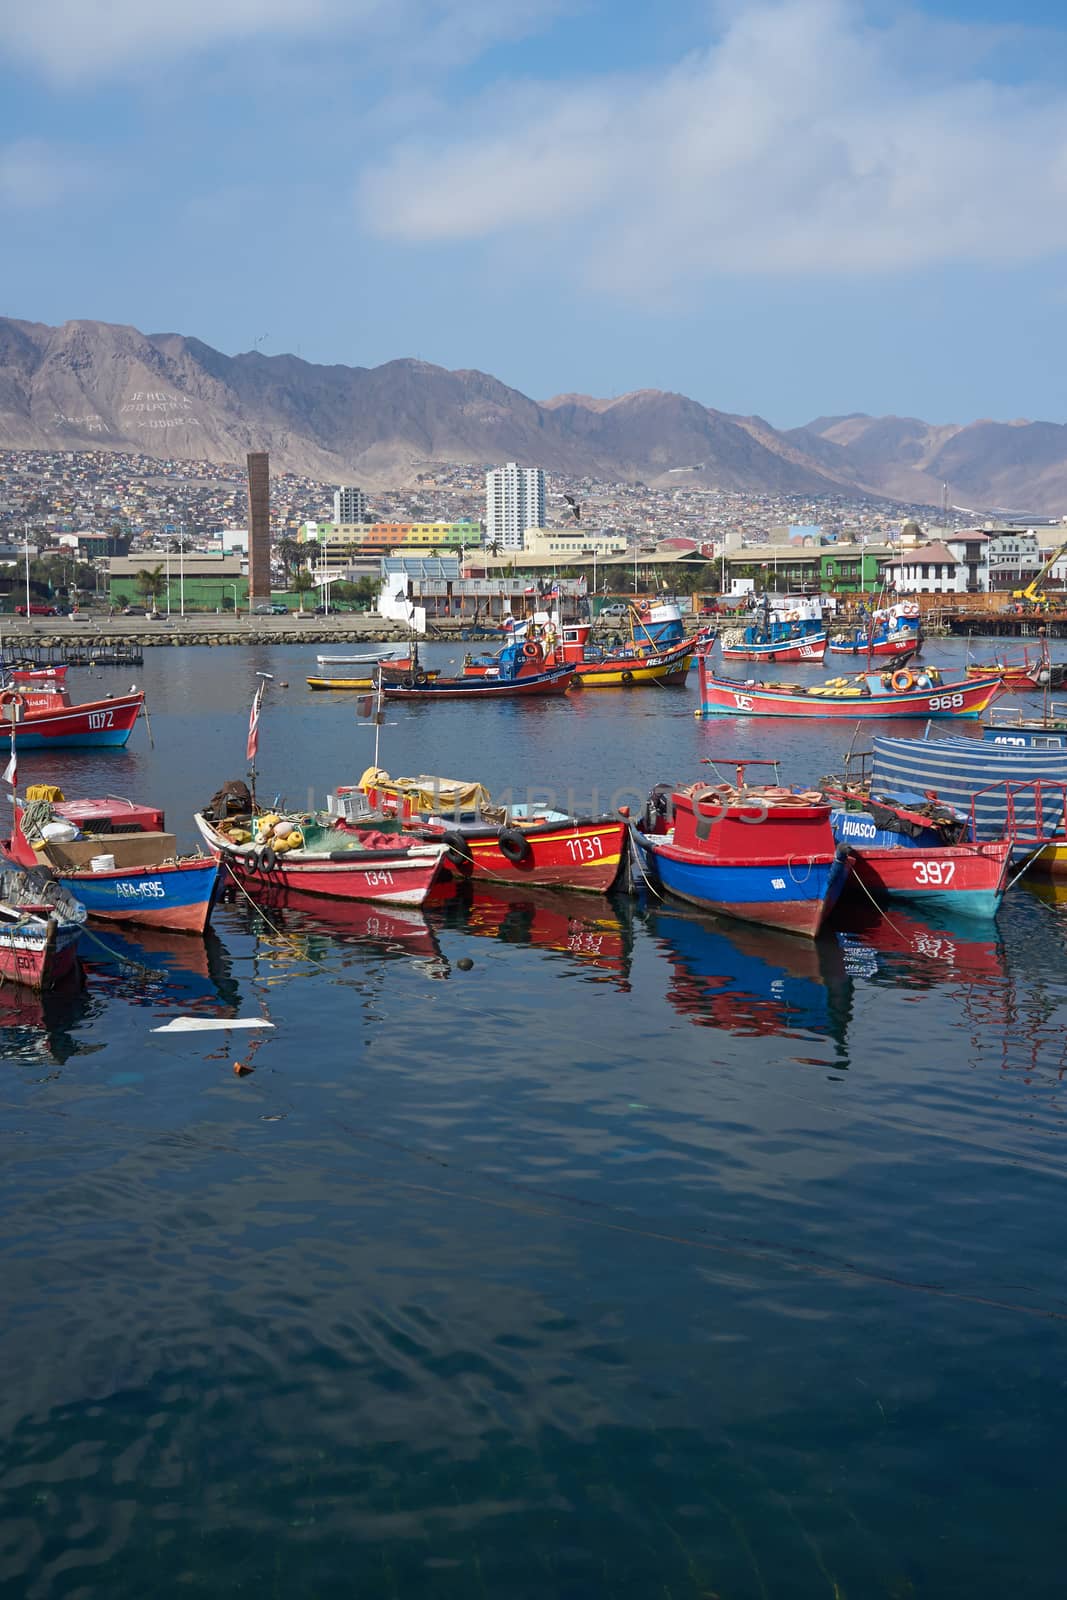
pixel 253 725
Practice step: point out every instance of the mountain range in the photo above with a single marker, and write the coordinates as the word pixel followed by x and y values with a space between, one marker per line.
pixel 101 385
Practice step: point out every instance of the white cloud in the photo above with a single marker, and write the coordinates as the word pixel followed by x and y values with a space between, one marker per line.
pixel 804 138
pixel 35 174
pixel 79 40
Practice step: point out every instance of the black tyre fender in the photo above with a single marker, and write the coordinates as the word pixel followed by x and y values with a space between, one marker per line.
pixel 249 859
pixel 420 678
pixel 627 677
pixel 268 858
pixel 460 854
pixel 408 680
pixel 514 845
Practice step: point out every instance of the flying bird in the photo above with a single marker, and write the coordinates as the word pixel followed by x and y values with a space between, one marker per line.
pixel 576 509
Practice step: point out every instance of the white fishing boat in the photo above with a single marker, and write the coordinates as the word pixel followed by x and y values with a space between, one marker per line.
pixel 387 652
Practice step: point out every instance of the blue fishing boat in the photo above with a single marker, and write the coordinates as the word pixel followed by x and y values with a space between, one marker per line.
pixel 797 634
pixel 760 854
pixel 115 857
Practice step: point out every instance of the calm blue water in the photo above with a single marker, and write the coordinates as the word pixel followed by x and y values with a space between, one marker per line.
pixel 647 1257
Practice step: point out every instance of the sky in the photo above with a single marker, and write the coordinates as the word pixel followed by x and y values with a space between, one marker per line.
pixel 787 207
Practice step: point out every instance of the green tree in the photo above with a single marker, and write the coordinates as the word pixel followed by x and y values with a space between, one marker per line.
pixel 302 583
pixel 291 554
pixel 150 583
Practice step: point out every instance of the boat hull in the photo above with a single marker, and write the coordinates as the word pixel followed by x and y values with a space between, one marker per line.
pixel 724 697
pixel 97 723
pixel 966 880
pixel 668 668
pixel 900 646
pixel 585 855
pixel 796 896
pixel 178 896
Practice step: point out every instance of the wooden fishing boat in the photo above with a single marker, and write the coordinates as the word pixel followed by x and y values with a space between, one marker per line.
pixel 40 924
pixel 116 858
pixel 43 717
pixel 387 653
pixel 1019 677
pixel 760 854
pixel 332 862
pixel 1006 789
pixel 503 686
pixel 778 634
pixel 531 844
pixel 657 652
pixel 893 631
pixel 869 697
pixel 404 669
pixel 902 852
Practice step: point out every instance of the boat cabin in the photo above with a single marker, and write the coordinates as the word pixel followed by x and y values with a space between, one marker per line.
pixel 133 834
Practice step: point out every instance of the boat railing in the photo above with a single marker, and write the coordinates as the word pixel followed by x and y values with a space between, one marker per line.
pixel 1017 716
pixel 1049 816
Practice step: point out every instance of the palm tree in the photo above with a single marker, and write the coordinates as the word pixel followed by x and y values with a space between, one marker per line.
pixel 150 583
pixel 291 554
pixel 302 583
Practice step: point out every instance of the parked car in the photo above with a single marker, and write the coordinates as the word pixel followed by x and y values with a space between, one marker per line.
pixel 133 611
pixel 36 611
pixel 617 608
pixel 274 610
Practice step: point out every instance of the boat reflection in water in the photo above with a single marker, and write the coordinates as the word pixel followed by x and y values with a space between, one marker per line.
pixel 593 932
pixel 920 952
pixel 305 927
pixel 752 981
pixel 150 966
pixel 38 1026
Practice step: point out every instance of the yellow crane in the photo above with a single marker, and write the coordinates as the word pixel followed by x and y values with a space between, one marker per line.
pixel 1033 594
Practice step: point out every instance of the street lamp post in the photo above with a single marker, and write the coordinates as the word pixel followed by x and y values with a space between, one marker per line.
pixel 168 582
pixel 26 553
pixel 232 586
pixel 181 567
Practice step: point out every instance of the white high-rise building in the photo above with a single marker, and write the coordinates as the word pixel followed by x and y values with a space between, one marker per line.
pixel 349 505
pixel 514 501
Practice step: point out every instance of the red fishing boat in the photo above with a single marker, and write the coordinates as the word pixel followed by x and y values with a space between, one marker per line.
pixel 1019 677
pixel 40 925
pixel 870 696
pixel 355 864
pixel 40 709
pixel 657 651
pixel 760 853
pixel 528 844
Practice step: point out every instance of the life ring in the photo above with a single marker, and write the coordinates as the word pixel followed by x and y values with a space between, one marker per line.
pixel 514 846
pixel 420 678
pixel 9 698
pixel 531 651
pixel 902 680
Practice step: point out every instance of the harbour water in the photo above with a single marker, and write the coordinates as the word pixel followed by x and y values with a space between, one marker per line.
pixel 646 1256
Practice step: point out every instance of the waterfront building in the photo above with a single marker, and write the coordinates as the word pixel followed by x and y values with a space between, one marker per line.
pixel 340 541
pixel 514 501
pixel 349 505
pixel 570 545
pixel 211 582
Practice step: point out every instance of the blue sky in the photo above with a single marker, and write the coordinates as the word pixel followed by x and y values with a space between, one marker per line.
pixel 791 208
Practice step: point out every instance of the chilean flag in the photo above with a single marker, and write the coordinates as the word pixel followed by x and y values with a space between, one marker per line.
pixel 253 725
